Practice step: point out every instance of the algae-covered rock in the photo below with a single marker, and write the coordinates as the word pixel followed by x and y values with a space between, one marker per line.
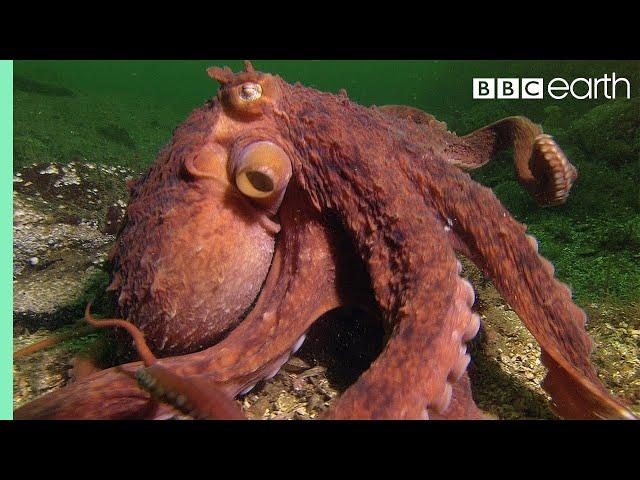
pixel 609 132
pixel 59 239
pixel 60 242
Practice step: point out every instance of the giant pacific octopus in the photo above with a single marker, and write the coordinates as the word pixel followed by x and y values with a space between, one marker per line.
pixel 276 203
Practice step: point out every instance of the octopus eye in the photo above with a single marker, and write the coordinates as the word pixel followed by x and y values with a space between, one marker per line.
pixel 250 91
pixel 262 170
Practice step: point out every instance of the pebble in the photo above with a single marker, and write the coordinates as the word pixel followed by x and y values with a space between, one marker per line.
pixel 51 169
pixel 296 365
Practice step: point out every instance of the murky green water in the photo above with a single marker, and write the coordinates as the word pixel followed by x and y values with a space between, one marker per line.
pixel 442 87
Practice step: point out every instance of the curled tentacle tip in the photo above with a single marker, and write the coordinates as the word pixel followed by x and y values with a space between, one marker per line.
pixel 92 321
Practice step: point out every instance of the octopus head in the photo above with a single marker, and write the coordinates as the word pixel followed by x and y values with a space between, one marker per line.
pixel 202 224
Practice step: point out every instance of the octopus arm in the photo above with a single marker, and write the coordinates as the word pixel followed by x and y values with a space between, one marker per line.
pixel 429 306
pixel 111 394
pixel 195 396
pixel 541 166
pixel 482 229
pixel 462 406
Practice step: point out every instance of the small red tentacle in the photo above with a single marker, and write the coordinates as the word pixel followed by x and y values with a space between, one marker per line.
pixel 51 341
pixel 188 395
pixel 138 337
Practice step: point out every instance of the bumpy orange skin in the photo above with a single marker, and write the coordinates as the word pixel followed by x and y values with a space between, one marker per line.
pixel 178 273
pixel 373 214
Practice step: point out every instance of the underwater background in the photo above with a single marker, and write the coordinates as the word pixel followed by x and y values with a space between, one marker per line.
pixel 83 128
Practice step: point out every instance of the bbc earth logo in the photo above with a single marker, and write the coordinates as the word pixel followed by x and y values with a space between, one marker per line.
pixel 609 87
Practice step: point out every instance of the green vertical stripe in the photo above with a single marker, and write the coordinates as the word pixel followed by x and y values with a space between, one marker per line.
pixel 6 238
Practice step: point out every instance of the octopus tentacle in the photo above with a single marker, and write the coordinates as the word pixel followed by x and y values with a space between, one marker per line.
pixel 111 394
pixel 426 353
pixel 497 243
pixel 553 170
pixel 192 396
pixel 54 340
pixel 114 393
pixel 195 396
pixel 541 166
pixel 462 406
pixel 144 352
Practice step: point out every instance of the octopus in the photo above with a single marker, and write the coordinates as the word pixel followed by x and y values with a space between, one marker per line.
pixel 274 204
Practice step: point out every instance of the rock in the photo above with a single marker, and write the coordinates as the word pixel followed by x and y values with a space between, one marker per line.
pixel 296 365
pixel 610 131
pixel 57 245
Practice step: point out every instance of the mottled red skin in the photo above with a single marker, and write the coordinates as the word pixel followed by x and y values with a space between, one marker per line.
pixel 373 216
